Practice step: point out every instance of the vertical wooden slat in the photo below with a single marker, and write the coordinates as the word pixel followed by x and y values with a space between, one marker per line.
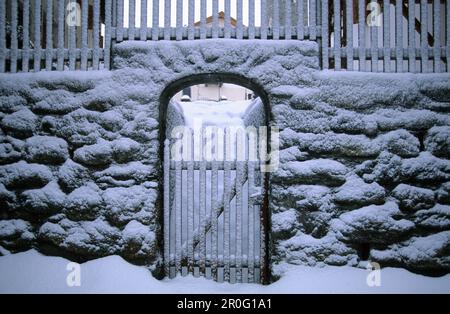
pixel 399 34
pixel 61 23
pixel 143 27
pixel 178 201
pixel 424 35
pixel 288 20
pixel 411 35
pixel 96 35
pixel 131 19
pixel 190 201
pixel 362 34
pixel 227 21
pixel 214 210
pixel 107 50
pixel 251 19
pixel 276 20
pixel 179 31
pixel 325 34
pixel 262 241
pixel 301 21
pixel 437 36
pixel 72 41
pixel 203 19
pixel 226 206
pixel 2 36
pixel 264 19
pixel 349 33
pixel 26 34
pixel 387 35
pixel 84 34
pixel 215 21
pixel 155 20
pixel 337 34
pixel 240 202
pixel 166 206
pixel 374 46
pixel 312 19
pixel 251 186
pixel 191 19
pixel 447 50
pixel 14 39
pixel 239 16
pixel 167 17
pixel 37 35
pixel 120 13
pixel 202 203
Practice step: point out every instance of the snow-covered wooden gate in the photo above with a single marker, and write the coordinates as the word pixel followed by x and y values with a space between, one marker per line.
pixel 213 209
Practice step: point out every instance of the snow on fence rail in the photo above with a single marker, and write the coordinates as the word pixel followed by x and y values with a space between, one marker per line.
pixel 363 35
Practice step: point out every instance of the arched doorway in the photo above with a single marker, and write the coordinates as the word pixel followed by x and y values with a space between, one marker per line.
pixel 216 218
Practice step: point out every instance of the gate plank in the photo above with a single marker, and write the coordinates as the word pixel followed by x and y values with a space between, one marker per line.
pixel 166 205
pixel 190 200
pixel 177 230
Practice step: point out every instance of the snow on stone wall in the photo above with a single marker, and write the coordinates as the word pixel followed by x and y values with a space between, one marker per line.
pixel 364 169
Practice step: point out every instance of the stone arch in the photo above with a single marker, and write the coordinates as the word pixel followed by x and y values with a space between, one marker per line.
pixel 171 89
pixel 271 69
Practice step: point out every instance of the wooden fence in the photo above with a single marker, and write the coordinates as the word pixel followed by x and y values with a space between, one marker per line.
pixel 363 35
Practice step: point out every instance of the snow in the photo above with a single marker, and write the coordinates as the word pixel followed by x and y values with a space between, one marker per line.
pixel 32 272
pixel 23 173
pixel 46 149
pixel 222 113
pixel 313 171
pixel 22 123
pixel 413 198
pixel 356 191
pixel 49 199
pixel 373 224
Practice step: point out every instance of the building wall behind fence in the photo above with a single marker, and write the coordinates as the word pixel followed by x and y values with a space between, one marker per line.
pixel 363 173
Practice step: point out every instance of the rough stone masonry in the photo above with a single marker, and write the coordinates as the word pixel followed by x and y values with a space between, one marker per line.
pixel 364 174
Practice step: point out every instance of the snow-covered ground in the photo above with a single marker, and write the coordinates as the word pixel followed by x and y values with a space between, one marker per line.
pixel 221 114
pixel 32 272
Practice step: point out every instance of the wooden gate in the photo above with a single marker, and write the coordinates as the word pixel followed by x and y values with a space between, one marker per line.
pixel 213 213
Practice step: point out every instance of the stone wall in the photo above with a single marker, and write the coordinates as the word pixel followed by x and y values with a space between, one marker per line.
pixel 364 163
pixel 364 171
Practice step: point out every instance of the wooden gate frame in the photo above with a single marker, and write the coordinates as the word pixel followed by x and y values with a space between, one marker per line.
pixel 194 79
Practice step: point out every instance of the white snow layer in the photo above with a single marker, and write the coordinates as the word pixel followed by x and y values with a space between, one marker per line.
pixel 32 272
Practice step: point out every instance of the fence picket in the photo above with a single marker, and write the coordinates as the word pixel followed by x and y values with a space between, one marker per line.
pixel 26 35
pixel 167 17
pixel 437 36
pixel 412 41
pixel 14 42
pixel 37 35
pixel 143 24
pixel 84 34
pixel 251 19
pixel 387 35
pixel 349 34
pixel 337 34
pixel 227 19
pixel 155 20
